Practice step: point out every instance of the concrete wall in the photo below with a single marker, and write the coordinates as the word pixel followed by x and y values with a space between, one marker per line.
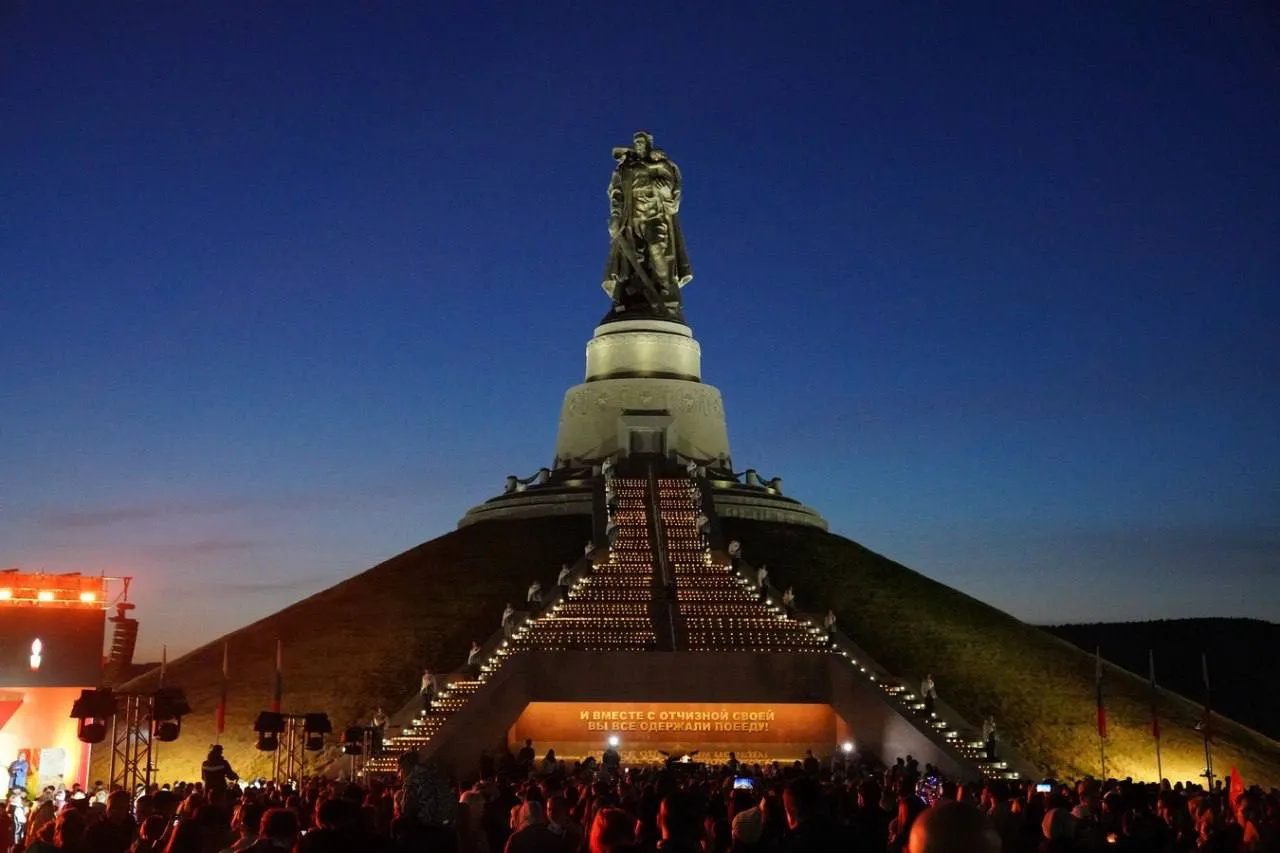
pixel 686 677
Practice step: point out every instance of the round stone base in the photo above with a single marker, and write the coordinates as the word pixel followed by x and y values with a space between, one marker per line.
pixel 644 348
pixel 600 418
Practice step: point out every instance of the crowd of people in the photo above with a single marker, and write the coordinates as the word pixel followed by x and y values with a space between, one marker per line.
pixel 525 805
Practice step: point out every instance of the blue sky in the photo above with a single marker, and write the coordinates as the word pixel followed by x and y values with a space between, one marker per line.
pixel 288 286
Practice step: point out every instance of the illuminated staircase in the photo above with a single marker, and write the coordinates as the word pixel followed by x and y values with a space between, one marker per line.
pixel 663 584
pixel 608 608
pixel 717 609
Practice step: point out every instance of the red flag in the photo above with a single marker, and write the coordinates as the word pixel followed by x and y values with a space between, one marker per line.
pixel 1102 708
pixel 220 720
pixel 275 701
pixel 1155 696
pixel 1236 790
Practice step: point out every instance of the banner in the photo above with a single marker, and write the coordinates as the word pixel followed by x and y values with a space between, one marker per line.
pixel 766 731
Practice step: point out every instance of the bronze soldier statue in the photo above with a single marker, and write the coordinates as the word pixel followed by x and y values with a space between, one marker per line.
pixel 647 263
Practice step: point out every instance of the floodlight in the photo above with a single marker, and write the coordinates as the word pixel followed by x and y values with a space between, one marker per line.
pixel 613 741
pixel 268 726
pixel 168 707
pixel 847 746
pixel 315 726
pixel 93 709
pixel 353 740
pixel 44 595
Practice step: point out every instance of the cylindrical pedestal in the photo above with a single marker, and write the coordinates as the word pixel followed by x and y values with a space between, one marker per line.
pixel 643 394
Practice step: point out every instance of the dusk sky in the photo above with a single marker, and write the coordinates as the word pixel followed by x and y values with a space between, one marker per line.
pixel 288 286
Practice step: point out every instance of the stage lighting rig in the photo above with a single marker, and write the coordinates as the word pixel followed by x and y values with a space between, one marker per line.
pixel 289 736
pixel 93 709
pixel 168 707
pixel 353 740
pixel 314 728
pixel 269 726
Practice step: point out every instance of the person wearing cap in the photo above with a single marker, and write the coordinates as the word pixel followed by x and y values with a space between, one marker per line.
pixel 216 770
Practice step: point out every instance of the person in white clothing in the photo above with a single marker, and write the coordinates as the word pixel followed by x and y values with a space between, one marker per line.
pixel 990 736
pixel 762 581
pixel 735 549
pixel 692 467
pixel 508 621
pixel 473 656
pixel 928 692
pixel 428 690
pixel 829 622
pixel 535 594
pixel 562 579
pixel 789 601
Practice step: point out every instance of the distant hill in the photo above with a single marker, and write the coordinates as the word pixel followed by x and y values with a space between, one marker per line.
pixel 1243 654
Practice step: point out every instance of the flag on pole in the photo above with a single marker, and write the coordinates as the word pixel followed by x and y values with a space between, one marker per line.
pixel 1155 695
pixel 279 694
pixel 1102 708
pixel 220 719
pixel 1208 705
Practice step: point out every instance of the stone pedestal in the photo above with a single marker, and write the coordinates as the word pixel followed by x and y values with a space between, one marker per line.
pixel 643 393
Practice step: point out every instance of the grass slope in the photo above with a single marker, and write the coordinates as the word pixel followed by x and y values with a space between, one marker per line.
pixel 1242 653
pixel 363 642
pixel 1039 687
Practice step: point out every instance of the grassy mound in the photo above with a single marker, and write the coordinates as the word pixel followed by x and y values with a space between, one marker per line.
pixel 365 641
pixel 1040 688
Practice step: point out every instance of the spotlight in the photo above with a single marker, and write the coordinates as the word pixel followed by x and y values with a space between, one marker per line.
pixel 315 727
pixel 613 741
pixel 353 740
pixel 168 707
pixel 847 746
pixel 44 595
pixel 93 709
pixel 88 597
pixel 268 726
